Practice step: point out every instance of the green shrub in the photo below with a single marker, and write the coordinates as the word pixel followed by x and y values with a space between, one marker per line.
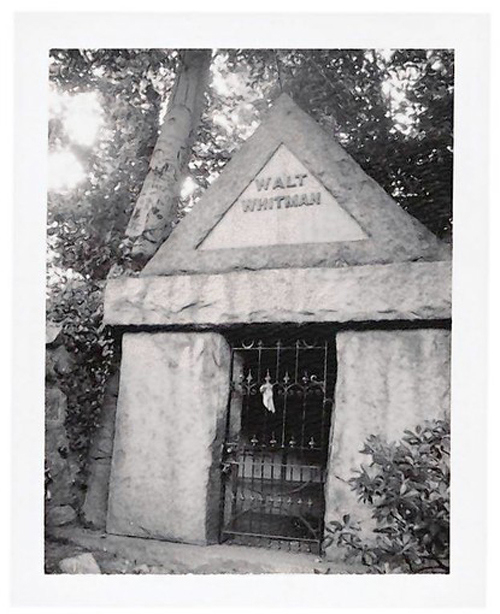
pixel 407 487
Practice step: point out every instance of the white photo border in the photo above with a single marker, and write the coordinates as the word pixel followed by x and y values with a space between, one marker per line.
pixel 468 35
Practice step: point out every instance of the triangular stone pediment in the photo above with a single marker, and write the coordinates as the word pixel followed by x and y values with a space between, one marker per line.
pixel 293 197
pixel 283 205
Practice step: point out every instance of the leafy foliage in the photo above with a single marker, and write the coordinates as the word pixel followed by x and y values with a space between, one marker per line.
pixel 406 486
pixel 88 222
pixel 77 307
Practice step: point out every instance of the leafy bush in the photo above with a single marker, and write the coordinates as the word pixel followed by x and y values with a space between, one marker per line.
pixel 407 487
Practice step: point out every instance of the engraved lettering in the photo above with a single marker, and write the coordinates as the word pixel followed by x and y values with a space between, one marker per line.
pixel 300 178
pixel 278 183
pixel 263 184
pixel 281 201
pixel 248 205
pixel 278 200
pixel 292 201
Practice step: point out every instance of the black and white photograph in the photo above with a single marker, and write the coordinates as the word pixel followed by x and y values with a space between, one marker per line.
pixel 249 310
pixel 248 361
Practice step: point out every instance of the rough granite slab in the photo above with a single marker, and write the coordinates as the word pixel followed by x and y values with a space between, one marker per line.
pixel 405 291
pixel 165 472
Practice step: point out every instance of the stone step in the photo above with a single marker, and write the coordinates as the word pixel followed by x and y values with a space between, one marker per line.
pixel 168 557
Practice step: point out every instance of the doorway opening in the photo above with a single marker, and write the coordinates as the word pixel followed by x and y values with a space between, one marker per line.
pixel 277 438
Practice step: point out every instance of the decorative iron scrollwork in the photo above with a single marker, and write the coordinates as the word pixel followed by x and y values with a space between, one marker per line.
pixel 274 474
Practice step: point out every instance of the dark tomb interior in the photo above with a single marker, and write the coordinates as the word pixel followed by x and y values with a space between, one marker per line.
pixel 277 437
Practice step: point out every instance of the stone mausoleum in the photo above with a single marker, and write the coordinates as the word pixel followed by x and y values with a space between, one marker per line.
pixel 296 310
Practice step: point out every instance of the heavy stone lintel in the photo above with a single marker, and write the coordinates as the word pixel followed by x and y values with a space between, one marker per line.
pixel 403 291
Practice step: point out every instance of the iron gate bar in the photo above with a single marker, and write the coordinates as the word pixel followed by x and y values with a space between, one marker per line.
pixel 281 449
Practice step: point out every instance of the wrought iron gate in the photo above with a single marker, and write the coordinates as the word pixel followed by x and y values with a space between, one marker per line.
pixel 277 441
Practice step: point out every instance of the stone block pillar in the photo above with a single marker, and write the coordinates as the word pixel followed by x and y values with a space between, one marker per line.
pixel 387 381
pixel 172 405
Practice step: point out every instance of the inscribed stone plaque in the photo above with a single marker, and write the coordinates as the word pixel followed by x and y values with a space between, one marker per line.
pixel 283 205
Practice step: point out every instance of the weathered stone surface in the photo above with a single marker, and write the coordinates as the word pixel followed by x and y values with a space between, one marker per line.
pixel 60 515
pixel 408 291
pixel 62 469
pixel 55 406
pixel 165 475
pixel 58 361
pixel 83 563
pixel 95 506
pixel 392 234
pixel 388 381
pixel 284 205
pixel 52 332
pixel 63 361
pixel 61 466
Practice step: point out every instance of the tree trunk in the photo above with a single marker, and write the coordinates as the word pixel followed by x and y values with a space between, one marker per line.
pixel 154 212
